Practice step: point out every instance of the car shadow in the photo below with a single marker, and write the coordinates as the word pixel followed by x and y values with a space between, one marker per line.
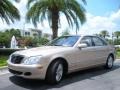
pixel 69 79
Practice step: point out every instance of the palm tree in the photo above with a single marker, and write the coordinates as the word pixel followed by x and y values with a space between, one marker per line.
pixel 8 12
pixel 117 34
pixel 104 33
pixel 38 10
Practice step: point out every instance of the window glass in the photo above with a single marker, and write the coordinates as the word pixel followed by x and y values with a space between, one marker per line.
pixel 27 33
pixel 65 41
pixel 87 40
pixel 98 42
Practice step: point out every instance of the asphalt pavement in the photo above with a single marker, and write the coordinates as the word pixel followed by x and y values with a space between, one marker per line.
pixel 91 79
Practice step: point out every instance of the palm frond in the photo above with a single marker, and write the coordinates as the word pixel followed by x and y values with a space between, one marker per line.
pixel 84 1
pixel 36 13
pixel 29 2
pixel 8 12
pixel 17 1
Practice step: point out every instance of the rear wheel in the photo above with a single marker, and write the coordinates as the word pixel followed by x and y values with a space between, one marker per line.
pixel 55 72
pixel 109 62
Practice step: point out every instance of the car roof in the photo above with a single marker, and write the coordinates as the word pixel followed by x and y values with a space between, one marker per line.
pixel 86 35
pixel 81 35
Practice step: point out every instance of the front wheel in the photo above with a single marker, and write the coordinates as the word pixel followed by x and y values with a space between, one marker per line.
pixel 109 62
pixel 55 72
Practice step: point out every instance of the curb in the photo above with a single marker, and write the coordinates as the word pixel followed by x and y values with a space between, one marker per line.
pixel 3 68
pixel 117 59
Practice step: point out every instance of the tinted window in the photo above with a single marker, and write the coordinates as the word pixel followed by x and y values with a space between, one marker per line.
pixel 27 33
pixel 65 41
pixel 87 40
pixel 98 42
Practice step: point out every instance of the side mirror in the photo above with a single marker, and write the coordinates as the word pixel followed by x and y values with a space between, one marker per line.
pixel 82 45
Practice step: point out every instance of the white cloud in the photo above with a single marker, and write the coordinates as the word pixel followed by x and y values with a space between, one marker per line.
pixel 115 16
pixel 95 24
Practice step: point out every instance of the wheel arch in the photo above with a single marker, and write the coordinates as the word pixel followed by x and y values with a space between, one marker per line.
pixel 111 54
pixel 65 64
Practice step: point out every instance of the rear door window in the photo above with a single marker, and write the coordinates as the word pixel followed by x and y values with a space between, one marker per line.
pixel 98 42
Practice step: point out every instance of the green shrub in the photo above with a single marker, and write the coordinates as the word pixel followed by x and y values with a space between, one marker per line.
pixel 3 60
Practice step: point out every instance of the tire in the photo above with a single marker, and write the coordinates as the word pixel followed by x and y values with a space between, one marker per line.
pixel 55 72
pixel 109 62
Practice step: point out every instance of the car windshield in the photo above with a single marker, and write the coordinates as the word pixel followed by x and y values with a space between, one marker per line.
pixel 64 41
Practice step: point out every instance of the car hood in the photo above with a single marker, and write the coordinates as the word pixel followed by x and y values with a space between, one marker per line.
pixel 44 50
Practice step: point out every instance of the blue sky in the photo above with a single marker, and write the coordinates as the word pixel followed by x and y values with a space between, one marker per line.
pixel 101 15
pixel 102 7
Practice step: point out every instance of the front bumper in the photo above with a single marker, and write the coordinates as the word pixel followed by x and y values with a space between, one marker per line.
pixel 27 71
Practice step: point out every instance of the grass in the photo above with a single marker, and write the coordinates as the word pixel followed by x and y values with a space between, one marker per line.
pixel 3 60
pixel 118 55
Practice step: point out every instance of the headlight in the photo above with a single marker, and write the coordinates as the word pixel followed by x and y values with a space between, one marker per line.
pixel 32 60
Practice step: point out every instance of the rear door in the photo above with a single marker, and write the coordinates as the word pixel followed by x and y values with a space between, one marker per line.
pixel 101 48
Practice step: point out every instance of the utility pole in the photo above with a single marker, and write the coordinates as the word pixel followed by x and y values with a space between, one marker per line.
pixel 112 38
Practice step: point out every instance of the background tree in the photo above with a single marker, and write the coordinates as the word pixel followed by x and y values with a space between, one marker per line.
pixel 8 12
pixel 38 10
pixel 15 32
pixel 5 37
pixel 104 33
pixel 117 34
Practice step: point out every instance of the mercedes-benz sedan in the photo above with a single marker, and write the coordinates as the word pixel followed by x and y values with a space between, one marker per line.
pixel 63 55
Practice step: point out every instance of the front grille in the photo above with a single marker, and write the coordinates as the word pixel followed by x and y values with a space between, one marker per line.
pixel 16 59
pixel 15 72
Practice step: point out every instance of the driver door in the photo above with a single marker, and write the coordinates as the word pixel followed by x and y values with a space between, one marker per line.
pixel 85 57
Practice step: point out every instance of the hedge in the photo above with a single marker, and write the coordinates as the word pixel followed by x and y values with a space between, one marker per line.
pixel 7 51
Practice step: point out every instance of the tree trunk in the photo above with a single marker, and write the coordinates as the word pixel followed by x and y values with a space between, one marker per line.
pixel 55 17
pixel 117 37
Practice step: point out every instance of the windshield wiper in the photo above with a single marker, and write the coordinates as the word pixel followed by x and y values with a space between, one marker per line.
pixel 57 45
pixel 53 45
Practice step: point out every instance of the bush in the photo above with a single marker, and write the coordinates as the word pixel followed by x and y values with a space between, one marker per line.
pixel 43 41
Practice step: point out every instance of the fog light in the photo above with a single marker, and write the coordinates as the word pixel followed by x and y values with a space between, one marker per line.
pixel 27 73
